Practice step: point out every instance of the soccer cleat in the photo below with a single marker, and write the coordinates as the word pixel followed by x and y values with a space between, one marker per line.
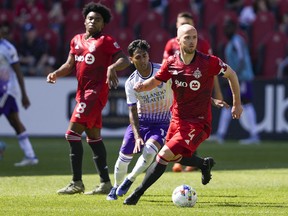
pixel 112 195
pixel 124 187
pixel 177 167
pixel 132 199
pixel 206 170
pixel 250 141
pixel 27 162
pixel 216 138
pixel 103 188
pixel 73 188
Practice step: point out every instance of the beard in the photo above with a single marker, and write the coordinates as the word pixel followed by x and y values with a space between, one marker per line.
pixel 188 50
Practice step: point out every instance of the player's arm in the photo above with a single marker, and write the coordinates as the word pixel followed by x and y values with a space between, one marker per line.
pixel 120 62
pixel 24 97
pixel 217 89
pixel 235 89
pixel 147 85
pixel 134 121
pixel 219 103
pixel 64 70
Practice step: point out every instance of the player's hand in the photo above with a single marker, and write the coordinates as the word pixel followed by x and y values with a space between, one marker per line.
pixel 138 142
pixel 112 78
pixel 25 101
pixel 138 86
pixel 219 103
pixel 51 78
pixel 236 111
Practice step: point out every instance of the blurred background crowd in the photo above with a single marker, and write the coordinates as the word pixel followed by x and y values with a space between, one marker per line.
pixel 41 30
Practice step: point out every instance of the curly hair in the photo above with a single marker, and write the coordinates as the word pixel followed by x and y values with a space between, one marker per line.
pixel 138 44
pixel 98 8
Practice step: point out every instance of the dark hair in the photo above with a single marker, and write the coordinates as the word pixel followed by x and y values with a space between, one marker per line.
pixel 185 15
pixel 138 44
pixel 98 8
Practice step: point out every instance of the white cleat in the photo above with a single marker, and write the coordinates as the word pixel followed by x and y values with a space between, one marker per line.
pixel 27 162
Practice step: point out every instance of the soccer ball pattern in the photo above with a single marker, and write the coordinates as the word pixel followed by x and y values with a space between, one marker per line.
pixel 184 196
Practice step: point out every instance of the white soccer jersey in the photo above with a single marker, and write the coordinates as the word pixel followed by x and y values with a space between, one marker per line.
pixel 8 79
pixel 152 106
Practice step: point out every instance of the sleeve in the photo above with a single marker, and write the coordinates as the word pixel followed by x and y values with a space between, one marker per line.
pixel 72 46
pixel 163 74
pixel 168 51
pixel 111 46
pixel 130 93
pixel 13 55
pixel 217 66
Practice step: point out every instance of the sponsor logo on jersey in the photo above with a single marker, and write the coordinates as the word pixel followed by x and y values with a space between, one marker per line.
pixel 193 85
pixel 76 47
pixel 89 58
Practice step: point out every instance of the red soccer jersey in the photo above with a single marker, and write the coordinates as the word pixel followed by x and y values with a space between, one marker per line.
pixel 192 85
pixel 92 57
pixel 172 46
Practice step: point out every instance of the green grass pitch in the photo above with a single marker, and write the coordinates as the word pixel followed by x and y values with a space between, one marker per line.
pixel 247 180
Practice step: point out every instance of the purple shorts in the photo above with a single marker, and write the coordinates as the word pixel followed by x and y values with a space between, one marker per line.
pixel 156 132
pixel 7 104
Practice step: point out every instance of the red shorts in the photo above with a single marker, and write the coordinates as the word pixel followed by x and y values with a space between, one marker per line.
pixel 88 112
pixel 184 137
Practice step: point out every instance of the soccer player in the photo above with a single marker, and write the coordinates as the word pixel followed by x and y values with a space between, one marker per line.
pixel 149 114
pixel 96 57
pixel 203 45
pixel 10 78
pixel 192 75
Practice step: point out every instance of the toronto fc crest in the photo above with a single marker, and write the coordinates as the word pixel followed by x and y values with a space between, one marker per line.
pixel 197 73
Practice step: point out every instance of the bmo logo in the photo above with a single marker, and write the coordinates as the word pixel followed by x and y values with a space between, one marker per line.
pixel 89 58
pixel 193 85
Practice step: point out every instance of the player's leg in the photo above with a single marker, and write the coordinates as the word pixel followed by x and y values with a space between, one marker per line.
pixel 100 160
pixel 73 136
pixel 154 172
pixel 12 114
pixel 144 161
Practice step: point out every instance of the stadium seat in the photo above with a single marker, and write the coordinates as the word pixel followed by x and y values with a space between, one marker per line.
pixel 147 22
pixel 157 40
pixel 211 8
pixel 52 38
pixel 174 7
pixel 74 23
pixel 124 36
pixel 264 23
pixel 40 19
pixel 6 15
pixel 134 8
pixel 271 51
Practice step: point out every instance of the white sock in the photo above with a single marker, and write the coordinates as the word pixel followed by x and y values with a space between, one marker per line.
pixel 25 145
pixel 144 161
pixel 224 121
pixel 121 168
pixel 248 120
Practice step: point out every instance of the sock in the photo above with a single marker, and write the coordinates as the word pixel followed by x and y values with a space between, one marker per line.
pixel 144 161
pixel 121 168
pixel 76 154
pixel 153 173
pixel 100 155
pixel 25 145
pixel 224 121
pixel 194 161
pixel 248 120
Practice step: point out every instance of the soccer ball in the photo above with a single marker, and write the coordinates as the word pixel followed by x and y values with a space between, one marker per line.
pixel 184 196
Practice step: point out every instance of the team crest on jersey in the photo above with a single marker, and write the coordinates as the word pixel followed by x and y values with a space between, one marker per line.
pixel 92 48
pixel 197 73
pixel 116 45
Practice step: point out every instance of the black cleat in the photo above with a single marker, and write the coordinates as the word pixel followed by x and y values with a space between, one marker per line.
pixel 132 199
pixel 206 170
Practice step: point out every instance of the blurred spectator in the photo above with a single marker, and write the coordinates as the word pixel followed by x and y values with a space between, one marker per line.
pixel 25 9
pixel 56 16
pixel 33 52
pixel 249 12
pixel 238 57
pixel 282 72
pixel 283 26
